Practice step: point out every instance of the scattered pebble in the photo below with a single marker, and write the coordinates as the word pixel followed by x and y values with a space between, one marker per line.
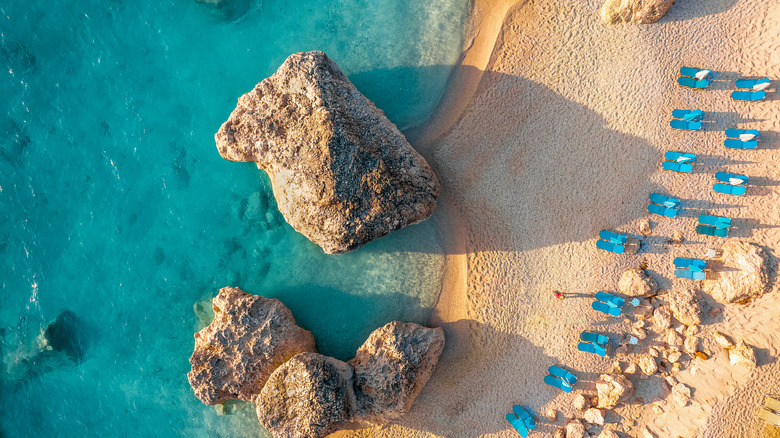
pixel 645 433
pixel 674 357
pixel 552 414
pixel 662 318
pixel 644 227
pixel 594 416
pixel 691 344
pixel 575 429
pixel 648 365
pixel 674 339
pixel 560 433
pixel 580 402
pixel 657 409
pixel 722 340
pixel 692 330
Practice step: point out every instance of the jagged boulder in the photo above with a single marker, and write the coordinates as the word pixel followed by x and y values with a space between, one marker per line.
pixel 635 282
pixel 742 354
pixel 342 173
pixel 248 339
pixel 634 11
pixel 612 390
pixel 744 276
pixel 309 396
pixel 686 306
pixel 392 367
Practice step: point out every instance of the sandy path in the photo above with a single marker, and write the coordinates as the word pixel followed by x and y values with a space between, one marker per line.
pixel 557 134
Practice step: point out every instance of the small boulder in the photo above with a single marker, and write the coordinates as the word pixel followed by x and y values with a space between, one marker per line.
pixel 634 11
pixel 674 356
pixel 310 395
pixel 575 429
pixel 691 344
pixel 594 416
pixel 248 339
pixel 662 318
pixel 551 414
pixel 644 432
pixel 686 306
pixel 644 227
pixel 674 339
pixel 392 367
pixel 745 273
pixel 643 312
pixel 742 354
pixel 635 282
pixel 560 433
pixel 580 402
pixel 612 390
pixel 630 368
pixel 722 340
pixel 648 364
pixel 681 394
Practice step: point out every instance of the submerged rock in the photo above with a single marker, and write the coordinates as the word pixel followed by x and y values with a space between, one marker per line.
pixel 64 335
pixel 635 282
pixel 612 390
pixel 310 396
pixel 392 367
pixel 342 173
pixel 634 11
pixel 248 339
pixel 686 306
pixel 745 273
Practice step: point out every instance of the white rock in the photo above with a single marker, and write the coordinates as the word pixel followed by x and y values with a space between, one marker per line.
pixel 745 274
pixel 630 368
pixel 645 433
pixel 742 354
pixel 662 318
pixel 575 429
pixel 608 433
pixel 674 339
pixel 674 356
pixel 612 390
pixel 560 433
pixel 580 402
pixel 652 352
pixel 594 416
pixel 648 365
pixel 691 344
pixel 722 340
pixel 681 394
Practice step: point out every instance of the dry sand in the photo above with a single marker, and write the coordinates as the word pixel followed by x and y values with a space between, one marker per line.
pixel 553 128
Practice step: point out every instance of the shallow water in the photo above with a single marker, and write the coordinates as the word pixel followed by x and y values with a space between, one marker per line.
pixel 117 207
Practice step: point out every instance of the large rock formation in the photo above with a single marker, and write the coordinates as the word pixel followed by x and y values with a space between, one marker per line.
pixel 341 172
pixel 309 396
pixel 744 275
pixel 392 367
pixel 634 11
pixel 635 282
pixel 249 338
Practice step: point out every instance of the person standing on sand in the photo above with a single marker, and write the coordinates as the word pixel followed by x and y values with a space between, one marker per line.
pixel 558 295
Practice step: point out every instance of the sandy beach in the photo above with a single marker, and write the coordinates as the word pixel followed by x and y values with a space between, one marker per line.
pixel 553 128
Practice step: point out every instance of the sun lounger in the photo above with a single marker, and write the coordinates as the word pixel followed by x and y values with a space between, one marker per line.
pixel 611 247
pixel 772 403
pixel 751 84
pixel 517 424
pixel 711 231
pixel 716 221
pixel 682 124
pixel 587 347
pixel 748 96
pixel 605 308
pixel 677 167
pixel 595 338
pixel 689 275
pixel 688 115
pixel 738 133
pixel 662 211
pixel 666 201
pixel 561 373
pixel 610 299
pixel 729 177
pixel 558 383
pixel 680 157
pixel 728 189
pixel 523 415
pixel 692 82
pixel 768 416
pixel 695 72
pixel 682 262
pixel 609 236
pixel 733 143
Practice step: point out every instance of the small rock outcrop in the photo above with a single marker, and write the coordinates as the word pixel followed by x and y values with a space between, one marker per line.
pixel 686 306
pixel 309 396
pixel 612 390
pixel 634 11
pixel 342 173
pixel 249 338
pixel 745 273
pixel 635 282
pixel 392 367
pixel 64 334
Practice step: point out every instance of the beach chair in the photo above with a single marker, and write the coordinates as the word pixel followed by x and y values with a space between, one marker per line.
pixel 682 124
pixel 677 167
pixel 517 424
pixel 728 189
pixel 731 178
pixel 772 403
pixel 748 96
pixel 662 211
pixel 605 308
pixel 688 115
pixel 610 299
pixel 558 383
pixel 680 157
pixel 611 247
pixel 711 231
pixel 594 338
pixel 753 84
pixel 682 262
pixel 666 201
pixel 715 221
pixel 742 134
pixel 768 416
pixel 695 72
pixel 692 82
pixel 524 416
pixel 689 275
pixel 733 143
pixel 611 237
pixel 561 373
pixel 587 347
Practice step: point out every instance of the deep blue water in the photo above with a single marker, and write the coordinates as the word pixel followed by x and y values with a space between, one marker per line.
pixel 117 208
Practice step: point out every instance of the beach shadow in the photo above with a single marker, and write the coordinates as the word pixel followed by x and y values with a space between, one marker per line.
pixel 722 120
pixel 768 140
pixel 683 10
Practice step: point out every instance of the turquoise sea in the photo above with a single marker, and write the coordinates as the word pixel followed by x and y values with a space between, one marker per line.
pixel 119 215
